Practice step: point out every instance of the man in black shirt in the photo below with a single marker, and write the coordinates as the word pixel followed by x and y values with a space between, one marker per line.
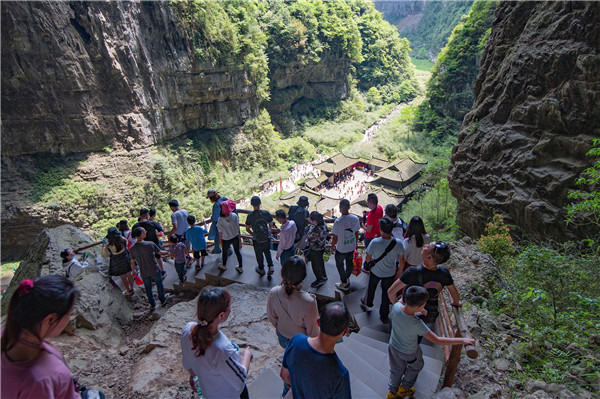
pixel 431 276
pixel 259 224
pixel 152 229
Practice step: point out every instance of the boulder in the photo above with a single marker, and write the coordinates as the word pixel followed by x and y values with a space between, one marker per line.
pixel 535 385
pixel 488 392
pixel 449 393
pixel 540 394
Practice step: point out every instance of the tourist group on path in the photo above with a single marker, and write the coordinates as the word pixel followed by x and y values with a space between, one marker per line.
pixel 402 259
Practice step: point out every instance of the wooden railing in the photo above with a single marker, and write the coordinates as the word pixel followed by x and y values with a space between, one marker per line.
pixel 447 329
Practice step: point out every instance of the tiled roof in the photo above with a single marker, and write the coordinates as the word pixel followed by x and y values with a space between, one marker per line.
pixel 384 197
pixel 336 163
pixel 401 170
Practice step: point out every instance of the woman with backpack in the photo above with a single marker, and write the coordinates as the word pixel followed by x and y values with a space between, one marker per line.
pixel 228 226
pixel 291 310
pixel 415 237
pixel 316 238
pixel 221 367
pixel 119 264
pixel 31 366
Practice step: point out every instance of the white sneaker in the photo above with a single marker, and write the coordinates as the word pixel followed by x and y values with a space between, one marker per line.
pixel 222 267
pixel 239 269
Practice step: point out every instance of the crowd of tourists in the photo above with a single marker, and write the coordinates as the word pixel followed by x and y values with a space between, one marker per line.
pixel 400 257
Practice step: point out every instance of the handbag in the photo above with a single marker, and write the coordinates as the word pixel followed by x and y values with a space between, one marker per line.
pixel 369 265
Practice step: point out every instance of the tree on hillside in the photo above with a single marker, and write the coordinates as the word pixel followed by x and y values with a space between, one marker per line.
pixel 450 89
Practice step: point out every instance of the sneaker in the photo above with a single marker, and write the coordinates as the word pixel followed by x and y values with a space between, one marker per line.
pixel 270 271
pixel 239 269
pixel 222 267
pixel 167 298
pixel 342 286
pixel 324 278
pixel 216 251
pixel 260 270
pixel 405 393
pixel 198 267
pixel 317 283
pixel 391 395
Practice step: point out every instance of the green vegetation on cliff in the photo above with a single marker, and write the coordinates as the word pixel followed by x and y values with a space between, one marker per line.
pixel 260 36
pixel 434 28
pixel 450 89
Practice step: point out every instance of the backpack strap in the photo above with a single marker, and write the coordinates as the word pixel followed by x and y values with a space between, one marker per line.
pixel 390 246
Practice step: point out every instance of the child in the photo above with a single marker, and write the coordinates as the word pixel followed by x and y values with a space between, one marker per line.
pixel 220 365
pixel 406 358
pixel 195 235
pixel 144 252
pixel 178 251
pixel 125 232
pixel 31 366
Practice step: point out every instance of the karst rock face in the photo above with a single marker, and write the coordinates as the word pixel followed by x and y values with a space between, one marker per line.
pixel 82 76
pixel 536 111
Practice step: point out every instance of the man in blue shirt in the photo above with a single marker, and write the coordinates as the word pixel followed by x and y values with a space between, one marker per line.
pixel 311 366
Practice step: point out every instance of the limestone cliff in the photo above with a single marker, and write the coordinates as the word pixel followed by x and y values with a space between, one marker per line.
pixel 537 97
pixel 80 76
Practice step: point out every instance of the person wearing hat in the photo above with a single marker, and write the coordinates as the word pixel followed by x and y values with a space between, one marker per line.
pixel 115 248
pixel 70 264
pixel 213 232
pixel 259 224
pixel 299 214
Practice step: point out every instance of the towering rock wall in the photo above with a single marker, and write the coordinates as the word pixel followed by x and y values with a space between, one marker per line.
pixel 79 76
pixel 536 111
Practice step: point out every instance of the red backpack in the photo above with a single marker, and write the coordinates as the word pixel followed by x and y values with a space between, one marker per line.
pixel 227 207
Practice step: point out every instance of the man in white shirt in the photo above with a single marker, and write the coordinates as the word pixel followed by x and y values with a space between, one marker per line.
pixel 345 237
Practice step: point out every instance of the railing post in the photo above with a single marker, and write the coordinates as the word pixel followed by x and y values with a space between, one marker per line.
pixel 452 364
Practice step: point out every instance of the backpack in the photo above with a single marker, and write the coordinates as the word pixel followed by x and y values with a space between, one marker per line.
pixel 227 207
pixel 298 215
pixel 260 228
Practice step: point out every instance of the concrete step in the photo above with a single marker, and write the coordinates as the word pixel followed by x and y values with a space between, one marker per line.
pixel 378 360
pixel 360 390
pixel 434 352
pixel 249 276
pixel 360 369
pixel 372 343
pixel 267 385
pixel 426 385
pixel 374 334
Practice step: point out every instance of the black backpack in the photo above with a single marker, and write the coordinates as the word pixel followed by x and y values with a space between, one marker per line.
pixel 260 228
pixel 298 215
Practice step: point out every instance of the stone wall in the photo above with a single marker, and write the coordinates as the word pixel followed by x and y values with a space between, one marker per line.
pixel 523 144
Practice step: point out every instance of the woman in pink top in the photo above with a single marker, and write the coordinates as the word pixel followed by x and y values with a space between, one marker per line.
pixel 291 310
pixel 31 366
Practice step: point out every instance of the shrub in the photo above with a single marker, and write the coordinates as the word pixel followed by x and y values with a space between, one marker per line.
pixel 496 240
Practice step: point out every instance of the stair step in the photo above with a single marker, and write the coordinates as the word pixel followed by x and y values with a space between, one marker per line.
pixel 434 352
pixel 358 368
pixel 379 360
pixel 368 318
pixel 267 385
pixel 426 384
pixel 376 335
pixel 360 390
pixel 365 340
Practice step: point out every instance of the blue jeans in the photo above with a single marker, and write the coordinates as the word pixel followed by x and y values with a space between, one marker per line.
pixel 159 287
pixel 286 254
pixel 283 341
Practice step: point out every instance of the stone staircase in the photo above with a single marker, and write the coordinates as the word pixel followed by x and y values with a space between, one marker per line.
pixel 364 353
